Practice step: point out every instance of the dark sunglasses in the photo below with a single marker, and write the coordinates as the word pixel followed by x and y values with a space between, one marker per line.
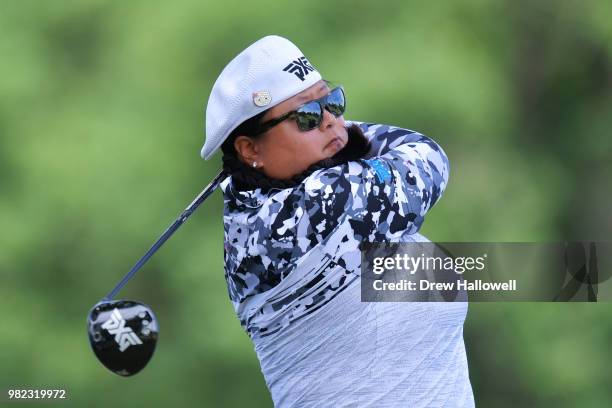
pixel 309 115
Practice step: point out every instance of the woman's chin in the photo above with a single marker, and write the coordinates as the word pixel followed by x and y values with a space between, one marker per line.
pixel 335 146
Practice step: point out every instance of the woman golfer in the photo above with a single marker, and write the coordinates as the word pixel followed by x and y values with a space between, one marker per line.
pixel 306 188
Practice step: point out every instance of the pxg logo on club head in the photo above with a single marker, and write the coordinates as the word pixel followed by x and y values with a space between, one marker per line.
pixel 123 335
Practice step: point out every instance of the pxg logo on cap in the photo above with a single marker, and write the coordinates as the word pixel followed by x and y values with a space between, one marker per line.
pixel 300 67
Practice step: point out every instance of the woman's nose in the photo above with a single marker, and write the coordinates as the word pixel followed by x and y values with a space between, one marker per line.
pixel 328 119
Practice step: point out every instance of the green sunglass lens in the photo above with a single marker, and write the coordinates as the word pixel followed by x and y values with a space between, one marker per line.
pixel 308 116
pixel 335 102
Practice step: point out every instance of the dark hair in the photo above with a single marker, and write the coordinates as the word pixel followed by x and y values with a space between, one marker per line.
pixel 246 178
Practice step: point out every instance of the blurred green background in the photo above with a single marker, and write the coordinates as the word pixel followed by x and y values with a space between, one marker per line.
pixel 101 124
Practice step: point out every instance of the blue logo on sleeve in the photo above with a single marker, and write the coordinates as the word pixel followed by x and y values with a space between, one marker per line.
pixel 382 172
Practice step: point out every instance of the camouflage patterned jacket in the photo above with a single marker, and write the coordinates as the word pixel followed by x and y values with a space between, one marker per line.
pixel 289 252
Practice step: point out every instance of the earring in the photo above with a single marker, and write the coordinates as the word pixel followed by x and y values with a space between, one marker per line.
pixel 254 164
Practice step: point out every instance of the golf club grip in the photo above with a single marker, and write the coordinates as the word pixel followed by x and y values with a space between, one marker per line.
pixel 212 186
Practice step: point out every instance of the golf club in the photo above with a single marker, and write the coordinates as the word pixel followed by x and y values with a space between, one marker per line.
pixel 123 333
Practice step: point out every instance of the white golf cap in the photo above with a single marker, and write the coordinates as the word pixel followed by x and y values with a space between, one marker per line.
pixel 268 72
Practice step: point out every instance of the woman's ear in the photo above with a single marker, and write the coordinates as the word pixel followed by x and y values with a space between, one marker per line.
pixel 246 150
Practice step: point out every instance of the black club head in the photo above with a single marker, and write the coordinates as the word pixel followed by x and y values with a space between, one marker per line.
pixel 122 334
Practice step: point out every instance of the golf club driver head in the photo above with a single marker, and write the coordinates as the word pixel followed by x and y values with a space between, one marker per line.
pixel 123 335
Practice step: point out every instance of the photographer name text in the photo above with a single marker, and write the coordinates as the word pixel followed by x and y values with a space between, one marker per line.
pixel 423 284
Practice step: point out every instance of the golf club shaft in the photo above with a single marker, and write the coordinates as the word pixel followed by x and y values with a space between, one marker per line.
pixel 169 231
